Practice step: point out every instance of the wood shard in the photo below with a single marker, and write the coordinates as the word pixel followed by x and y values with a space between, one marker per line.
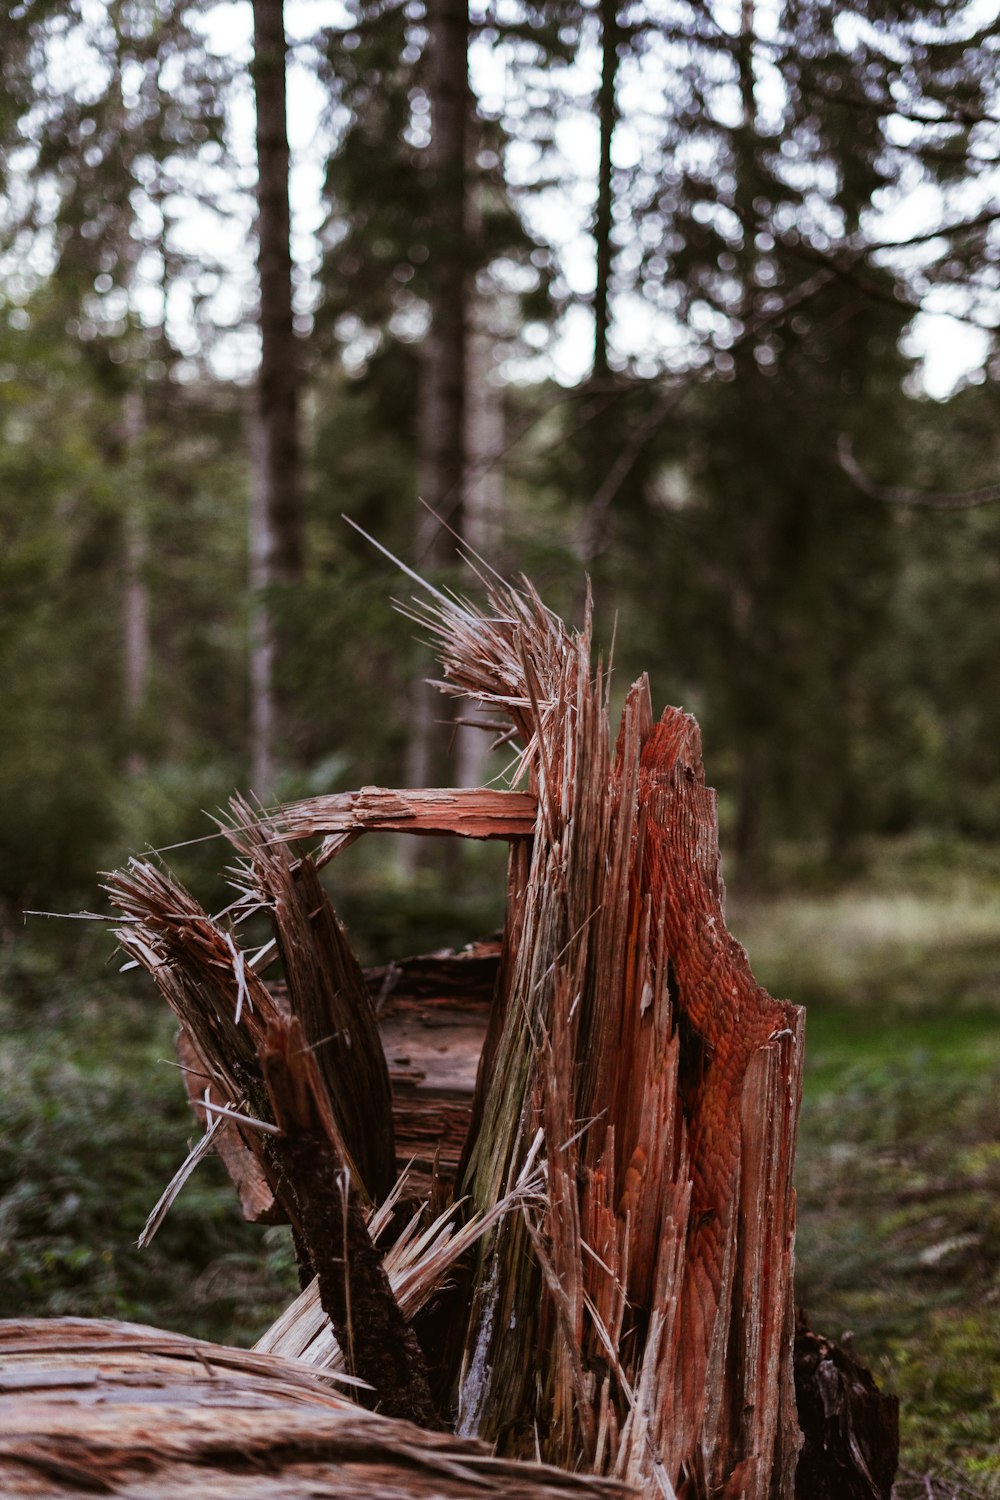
pixel 257 1201
pixel 474 813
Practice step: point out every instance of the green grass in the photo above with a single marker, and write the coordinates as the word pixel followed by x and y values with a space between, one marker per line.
pixel 899 1148
pixel 92 1127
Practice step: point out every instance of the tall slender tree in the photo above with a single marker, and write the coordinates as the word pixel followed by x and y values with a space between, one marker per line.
pixel 105 172
pixel 443 378
pixel 276 527
pixel 409 276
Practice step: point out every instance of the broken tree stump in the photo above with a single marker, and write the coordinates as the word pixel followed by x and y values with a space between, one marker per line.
pixel 612 1270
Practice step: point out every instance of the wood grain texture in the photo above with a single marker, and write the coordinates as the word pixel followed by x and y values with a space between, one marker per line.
pixel 625 1307
pixel 470 812
pixel 103 1408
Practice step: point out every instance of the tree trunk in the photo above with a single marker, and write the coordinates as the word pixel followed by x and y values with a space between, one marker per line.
pixel 135 600
pixel 262 644
pixel 276 507
pixel 607 114
pixel 442 410
pixel 443 376
pixel 631 1136
pixel 483 520
pixel 598 439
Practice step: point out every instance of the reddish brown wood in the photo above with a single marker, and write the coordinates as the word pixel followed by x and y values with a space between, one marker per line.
pixel 434 1012
pixel 473 813
pixel 622 1137
pixel 257 1202
pixel 742 1110
pixel 102 1408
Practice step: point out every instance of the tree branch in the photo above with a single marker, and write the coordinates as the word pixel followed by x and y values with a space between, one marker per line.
pixel 898 494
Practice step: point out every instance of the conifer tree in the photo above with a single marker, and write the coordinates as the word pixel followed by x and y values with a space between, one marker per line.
pixel 109 166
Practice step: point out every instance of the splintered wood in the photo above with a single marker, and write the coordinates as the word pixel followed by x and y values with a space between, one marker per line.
pixel 104 1408
pixel 607 1281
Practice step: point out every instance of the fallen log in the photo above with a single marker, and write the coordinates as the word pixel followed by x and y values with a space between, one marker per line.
pixel 90 1407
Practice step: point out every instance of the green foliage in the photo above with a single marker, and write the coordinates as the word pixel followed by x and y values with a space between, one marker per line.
pixel 899 1224
pixel 445 903
pixel 92 1127
pixel 55 518
pixel 898 1170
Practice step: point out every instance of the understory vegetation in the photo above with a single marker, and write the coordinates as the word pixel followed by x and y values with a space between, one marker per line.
pixel 898 1161
pixel 899 1144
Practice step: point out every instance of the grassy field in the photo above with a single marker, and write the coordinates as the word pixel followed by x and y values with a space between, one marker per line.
pixel 899 1151
pixel 899 1147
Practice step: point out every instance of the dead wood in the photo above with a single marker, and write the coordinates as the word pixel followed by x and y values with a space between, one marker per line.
pixel 850 1448
pixel 433 1015
pixel 371 1330
pixel 257 1202
pixel 474 812
pixel 91 1407
pixel 271 1075
pixel 326 991
pixel 620 1253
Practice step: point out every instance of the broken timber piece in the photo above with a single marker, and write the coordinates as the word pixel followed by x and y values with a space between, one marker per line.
pixel 627 1154
pixel 850 1430
pixel 91 1407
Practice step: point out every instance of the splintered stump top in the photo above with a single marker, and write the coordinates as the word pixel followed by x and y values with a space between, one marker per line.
pixel 609 1287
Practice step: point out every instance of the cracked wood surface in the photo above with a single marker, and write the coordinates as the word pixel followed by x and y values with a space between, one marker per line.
pixel 91 1407
pixel 471 812
pixel 636 1098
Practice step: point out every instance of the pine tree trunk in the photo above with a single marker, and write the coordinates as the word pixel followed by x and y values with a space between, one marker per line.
pixel 607 113
pixel 443 377
pixel 262 645
pixel 442 411
pixel 483 522
pixel 135 595
pixel 276 506
pixel 598 445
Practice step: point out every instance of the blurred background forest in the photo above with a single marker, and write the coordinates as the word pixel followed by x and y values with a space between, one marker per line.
pixel 697 299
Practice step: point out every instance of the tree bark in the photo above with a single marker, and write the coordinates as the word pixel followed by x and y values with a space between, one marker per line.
pixel 442 405
pixel 276 525
pixel 607 114
pixel 135 600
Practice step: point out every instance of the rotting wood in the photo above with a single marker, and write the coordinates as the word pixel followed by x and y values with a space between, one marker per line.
pixel 626 1167
pixel 850 1429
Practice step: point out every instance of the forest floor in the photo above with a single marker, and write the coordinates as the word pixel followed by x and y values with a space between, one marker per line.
pixel 899 1148
pixel 898 1172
